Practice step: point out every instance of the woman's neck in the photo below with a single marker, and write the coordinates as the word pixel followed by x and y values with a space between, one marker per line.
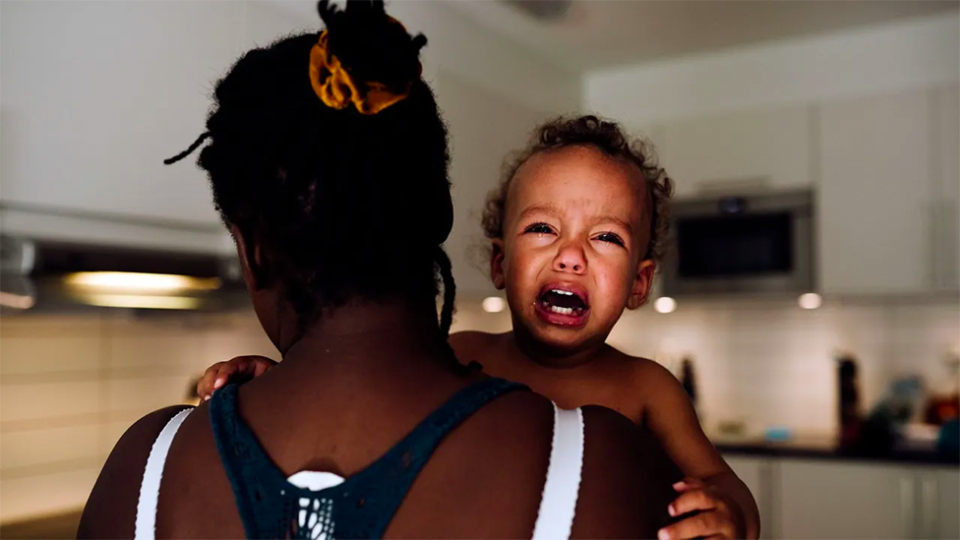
pixel 365 336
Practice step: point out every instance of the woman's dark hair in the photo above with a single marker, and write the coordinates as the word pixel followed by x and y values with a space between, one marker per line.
pixel 607 137
pixel 343 205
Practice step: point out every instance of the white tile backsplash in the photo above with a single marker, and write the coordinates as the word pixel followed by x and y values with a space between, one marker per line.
pixel 30 448
pixel 47 493
pixel 776 362
pixel 33 355
pixel 772 363
pixel 40 401
pixel 71 385
pixel 141 395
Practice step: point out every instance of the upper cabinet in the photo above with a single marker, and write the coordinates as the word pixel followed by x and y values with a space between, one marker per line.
pixel 946 118
pixel 737 150
pixel 885 170
pixel 883 207
pixel 97 95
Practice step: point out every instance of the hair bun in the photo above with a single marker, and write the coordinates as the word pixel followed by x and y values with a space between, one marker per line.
pixel 364 57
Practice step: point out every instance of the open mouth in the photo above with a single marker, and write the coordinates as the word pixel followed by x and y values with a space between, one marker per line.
pixel 563 305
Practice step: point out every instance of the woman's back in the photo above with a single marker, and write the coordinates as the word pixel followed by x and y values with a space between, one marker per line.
pixel 485 479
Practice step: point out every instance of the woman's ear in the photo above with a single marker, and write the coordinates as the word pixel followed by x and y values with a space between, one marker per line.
pixel 642 283
pixel 251 259
pixel 496 264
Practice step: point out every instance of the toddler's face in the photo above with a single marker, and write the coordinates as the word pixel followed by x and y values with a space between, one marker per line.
pixel 575 231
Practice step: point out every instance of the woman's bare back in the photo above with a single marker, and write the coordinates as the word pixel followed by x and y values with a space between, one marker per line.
pixel 485 479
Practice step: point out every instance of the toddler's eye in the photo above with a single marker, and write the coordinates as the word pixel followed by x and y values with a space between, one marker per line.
pixel 610 238
pixel 539 228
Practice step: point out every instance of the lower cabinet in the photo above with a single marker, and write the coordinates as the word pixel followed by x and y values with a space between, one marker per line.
pixel 840 499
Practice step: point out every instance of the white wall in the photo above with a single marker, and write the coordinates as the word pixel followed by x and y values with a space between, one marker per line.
pixel 463 48
pixel 875 60
pixel 484 128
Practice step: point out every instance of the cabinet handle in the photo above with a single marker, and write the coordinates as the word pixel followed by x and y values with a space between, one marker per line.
pixel 929 501
pixel 934 265
pixel 907 511
pixel 948 247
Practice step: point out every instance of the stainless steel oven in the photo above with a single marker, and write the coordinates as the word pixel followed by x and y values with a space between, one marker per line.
pixel 742 244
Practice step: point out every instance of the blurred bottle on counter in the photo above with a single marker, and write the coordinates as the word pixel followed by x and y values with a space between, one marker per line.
pixel 943 407
pixel 689 383
pixel 888 425
pixel 849 401
pixel 687 379
pixel 943 404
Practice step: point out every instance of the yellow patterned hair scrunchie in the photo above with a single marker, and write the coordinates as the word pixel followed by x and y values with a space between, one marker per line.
pixel 337 89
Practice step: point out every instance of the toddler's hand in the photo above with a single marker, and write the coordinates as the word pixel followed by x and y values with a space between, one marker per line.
pixel 239 369
pixel 708 513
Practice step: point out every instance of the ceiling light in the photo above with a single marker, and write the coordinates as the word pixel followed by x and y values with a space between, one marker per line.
pixel 132 282
pixel 494 304
pixel 665 304
pixel 810 301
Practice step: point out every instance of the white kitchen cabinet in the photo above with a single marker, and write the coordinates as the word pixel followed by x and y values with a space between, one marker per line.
pixel 948 496
pixel 939 503
pixel 945 114
pixel 845 500
pixel 875 197
pixel 757 474
pixel 86 126
pixel 738 150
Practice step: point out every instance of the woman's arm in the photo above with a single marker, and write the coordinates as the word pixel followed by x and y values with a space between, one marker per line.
pixel 111 510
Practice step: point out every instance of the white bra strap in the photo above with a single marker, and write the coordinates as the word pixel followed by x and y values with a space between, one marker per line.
pixel 146 524
pixel 559 503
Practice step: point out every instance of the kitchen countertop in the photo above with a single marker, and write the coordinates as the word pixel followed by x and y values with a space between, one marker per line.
pixel 63 525
pixel 827 449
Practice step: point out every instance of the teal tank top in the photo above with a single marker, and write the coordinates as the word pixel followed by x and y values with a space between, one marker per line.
pixel 361 506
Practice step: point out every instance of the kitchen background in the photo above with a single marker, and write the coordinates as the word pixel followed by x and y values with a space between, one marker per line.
pixel 857 102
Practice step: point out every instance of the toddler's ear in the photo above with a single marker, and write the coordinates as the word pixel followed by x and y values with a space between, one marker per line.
pixel 496 264
pixel 642 283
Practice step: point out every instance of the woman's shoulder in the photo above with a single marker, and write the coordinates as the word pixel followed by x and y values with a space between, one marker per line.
pixel 471 342
pixel 111 510
pixel 483 348
pixel 625 480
